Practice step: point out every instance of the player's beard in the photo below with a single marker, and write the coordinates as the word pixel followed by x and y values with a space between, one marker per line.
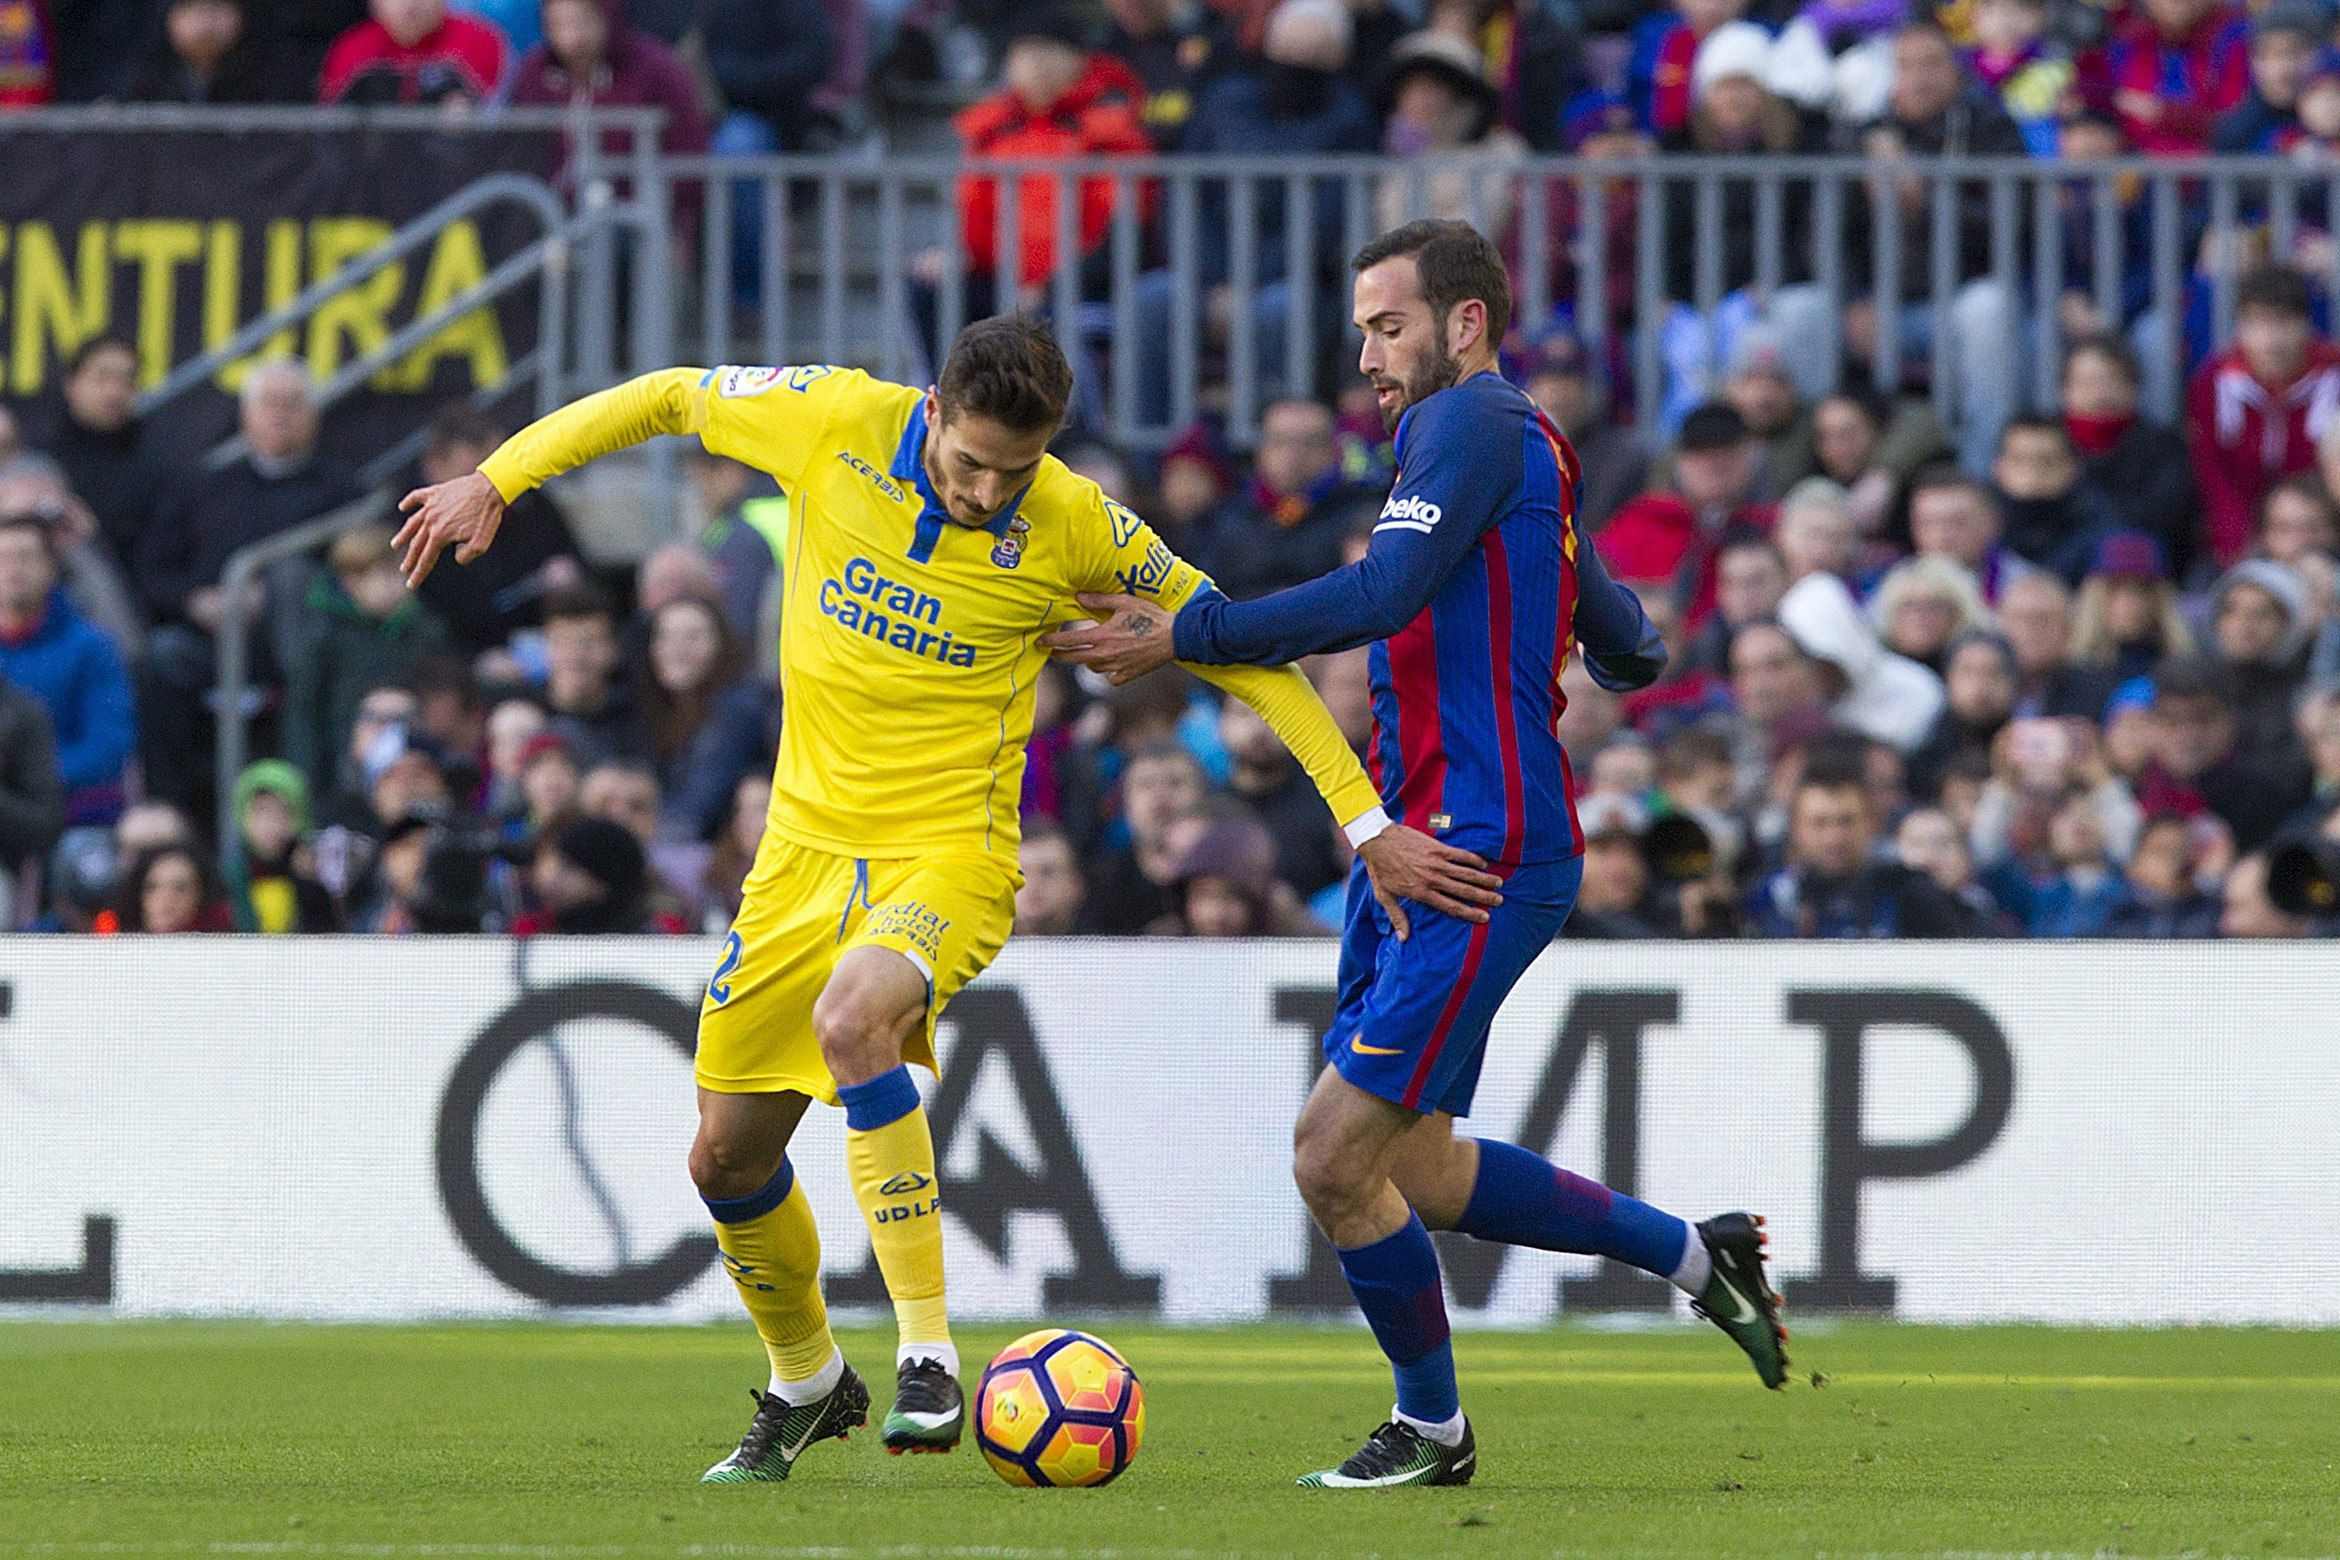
pixel 1437 371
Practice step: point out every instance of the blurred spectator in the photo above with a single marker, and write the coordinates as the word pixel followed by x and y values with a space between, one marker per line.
pixel 1665 45
pixel 549 779
pixel 624 792
pixel 1225 886
pixel 488 598
pixel 2140 468
pixel 1830 886
pixel 709 726
pixel 582 691
pixel 2054 517
pixel 1055 100
pixel 1612 902
pixel 2257 410
pixel 1287 524
pixel 11 436
pixel 769 59
pixel 211 51
pixel 171 889
pixel 359 628
pixel 734 853
pixel 2012 59
pixel 144 825
pixel 2248 912
pixel 1930 113
pixel 2035 612
pixel 1560 376
pixel 1195 475
pixel 97 437
pixel 1927 840
pixel 1129 886
pixel 35 485
pixel 1672 539
pixel 1979 698
pixel 1061 781
pixel 744 536
pixel 77 889
pixel 512 724
pixel 2127 619
pixel 2084 887
pixel 2160 897
pixel 2259 630
pixel 1759 387
pixel 1731 116
pixel 1175 47
pixel 1439 107
pixel 2284 39
pixel 2170 71
pixel 270 886
pixel 1751 576
pixel 1870 447
pixel 1924 603
pixel 591 58
pixel 589 877
pixel 451 710
pixel 1050 903
pixel 2298 518
pixel 1777 689
pixel 2199 763
pixel 48 650
pixel 32 799
pixel 1694 771
pixel 1955 517
pixel 1866 686
pixel 28 54
pixel 2319 735
pixel 1294 100
pixel 1834 57
pixel 412 51
pixel 1272 784
pixel 1529 53
pixel 1815 530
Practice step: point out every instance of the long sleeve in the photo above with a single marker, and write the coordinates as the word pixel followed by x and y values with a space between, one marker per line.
pixel 585 430
pixel 102 739
pixel 32 798
pixel 1622 648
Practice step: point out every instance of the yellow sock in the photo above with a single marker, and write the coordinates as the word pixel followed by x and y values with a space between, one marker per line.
pixel 890 1155
pixel 772 1250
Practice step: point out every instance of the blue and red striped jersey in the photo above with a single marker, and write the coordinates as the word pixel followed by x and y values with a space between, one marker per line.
pixel 1477 588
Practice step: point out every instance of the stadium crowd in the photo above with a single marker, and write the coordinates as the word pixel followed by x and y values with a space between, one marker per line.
pixel 2059 672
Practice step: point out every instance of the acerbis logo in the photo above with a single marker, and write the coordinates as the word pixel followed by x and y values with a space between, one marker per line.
pixel 1409 514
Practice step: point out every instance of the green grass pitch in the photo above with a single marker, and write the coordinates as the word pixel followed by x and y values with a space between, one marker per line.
pixel 573 1443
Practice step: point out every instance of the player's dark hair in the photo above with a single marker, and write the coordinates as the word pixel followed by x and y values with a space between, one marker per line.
pixel 1010 369
pixel 92 347
pixel 1691 749
pixel 582 600
pixel 2277 288
pixel 1944 476
pixel 1745 538
pixel 130 897
pixel 462 427
pixel 2032 422
pixel 1456 264
pixel 2112 349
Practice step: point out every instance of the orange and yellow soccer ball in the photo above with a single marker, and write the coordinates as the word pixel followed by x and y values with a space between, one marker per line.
pixel 1057 1409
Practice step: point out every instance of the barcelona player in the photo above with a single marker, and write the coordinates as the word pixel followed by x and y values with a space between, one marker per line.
pixel 1474 591
pixel 933 541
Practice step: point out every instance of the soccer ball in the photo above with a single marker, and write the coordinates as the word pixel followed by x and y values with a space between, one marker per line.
pixel 1059 1408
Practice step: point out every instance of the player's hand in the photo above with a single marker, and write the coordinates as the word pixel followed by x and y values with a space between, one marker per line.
pixel 1132 639
pixel 1408 864
pixel 464 512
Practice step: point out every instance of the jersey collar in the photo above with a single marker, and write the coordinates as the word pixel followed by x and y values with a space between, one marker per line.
pixel 910 466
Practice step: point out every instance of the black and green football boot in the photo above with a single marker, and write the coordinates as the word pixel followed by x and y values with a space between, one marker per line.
pixel 1738 1297
pixel 1398 1454
pixel 779 1433
pixel 929 1410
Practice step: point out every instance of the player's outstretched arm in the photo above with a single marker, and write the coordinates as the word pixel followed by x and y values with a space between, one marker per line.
pixel 466 512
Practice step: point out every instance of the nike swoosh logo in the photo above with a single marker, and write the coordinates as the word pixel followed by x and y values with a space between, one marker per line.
pixel 1359 1046
pixel 1746 1307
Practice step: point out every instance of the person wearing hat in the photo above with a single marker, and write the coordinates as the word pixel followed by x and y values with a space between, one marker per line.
pixel 208 51
pixel 589 876
pixel 1437 102
pixel 1672 540
pixel 270 885
pixel 2259 629
pixel 1226 886
pixel 2285 38
pixel 2127 617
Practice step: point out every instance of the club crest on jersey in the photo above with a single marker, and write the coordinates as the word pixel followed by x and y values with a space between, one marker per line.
pixel 1010 550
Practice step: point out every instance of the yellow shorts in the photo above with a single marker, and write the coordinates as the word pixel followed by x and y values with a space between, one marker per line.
pixel 801 911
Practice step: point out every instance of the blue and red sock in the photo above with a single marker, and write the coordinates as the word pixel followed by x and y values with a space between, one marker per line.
pixel 1523 1199
pixel 1397 1286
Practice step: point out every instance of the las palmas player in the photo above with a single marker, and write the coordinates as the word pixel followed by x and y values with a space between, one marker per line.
pixel 1475 591
pixel 933 541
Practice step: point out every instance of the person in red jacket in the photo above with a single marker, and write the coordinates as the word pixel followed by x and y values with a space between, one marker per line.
pixel 2258 409
pixel 1057 99
pixel 413 51
pixel 2170 72
pixel 591 58
pixel 1669 543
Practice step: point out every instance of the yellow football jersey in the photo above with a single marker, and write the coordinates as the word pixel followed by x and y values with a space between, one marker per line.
pixel 909 644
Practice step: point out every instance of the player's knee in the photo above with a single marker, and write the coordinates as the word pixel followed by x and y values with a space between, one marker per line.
pixel 722 1169
pixel 858 1033
pixel 1328 1182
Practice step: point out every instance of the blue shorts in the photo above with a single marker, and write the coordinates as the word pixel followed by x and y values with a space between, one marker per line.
pixel 1412 1022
